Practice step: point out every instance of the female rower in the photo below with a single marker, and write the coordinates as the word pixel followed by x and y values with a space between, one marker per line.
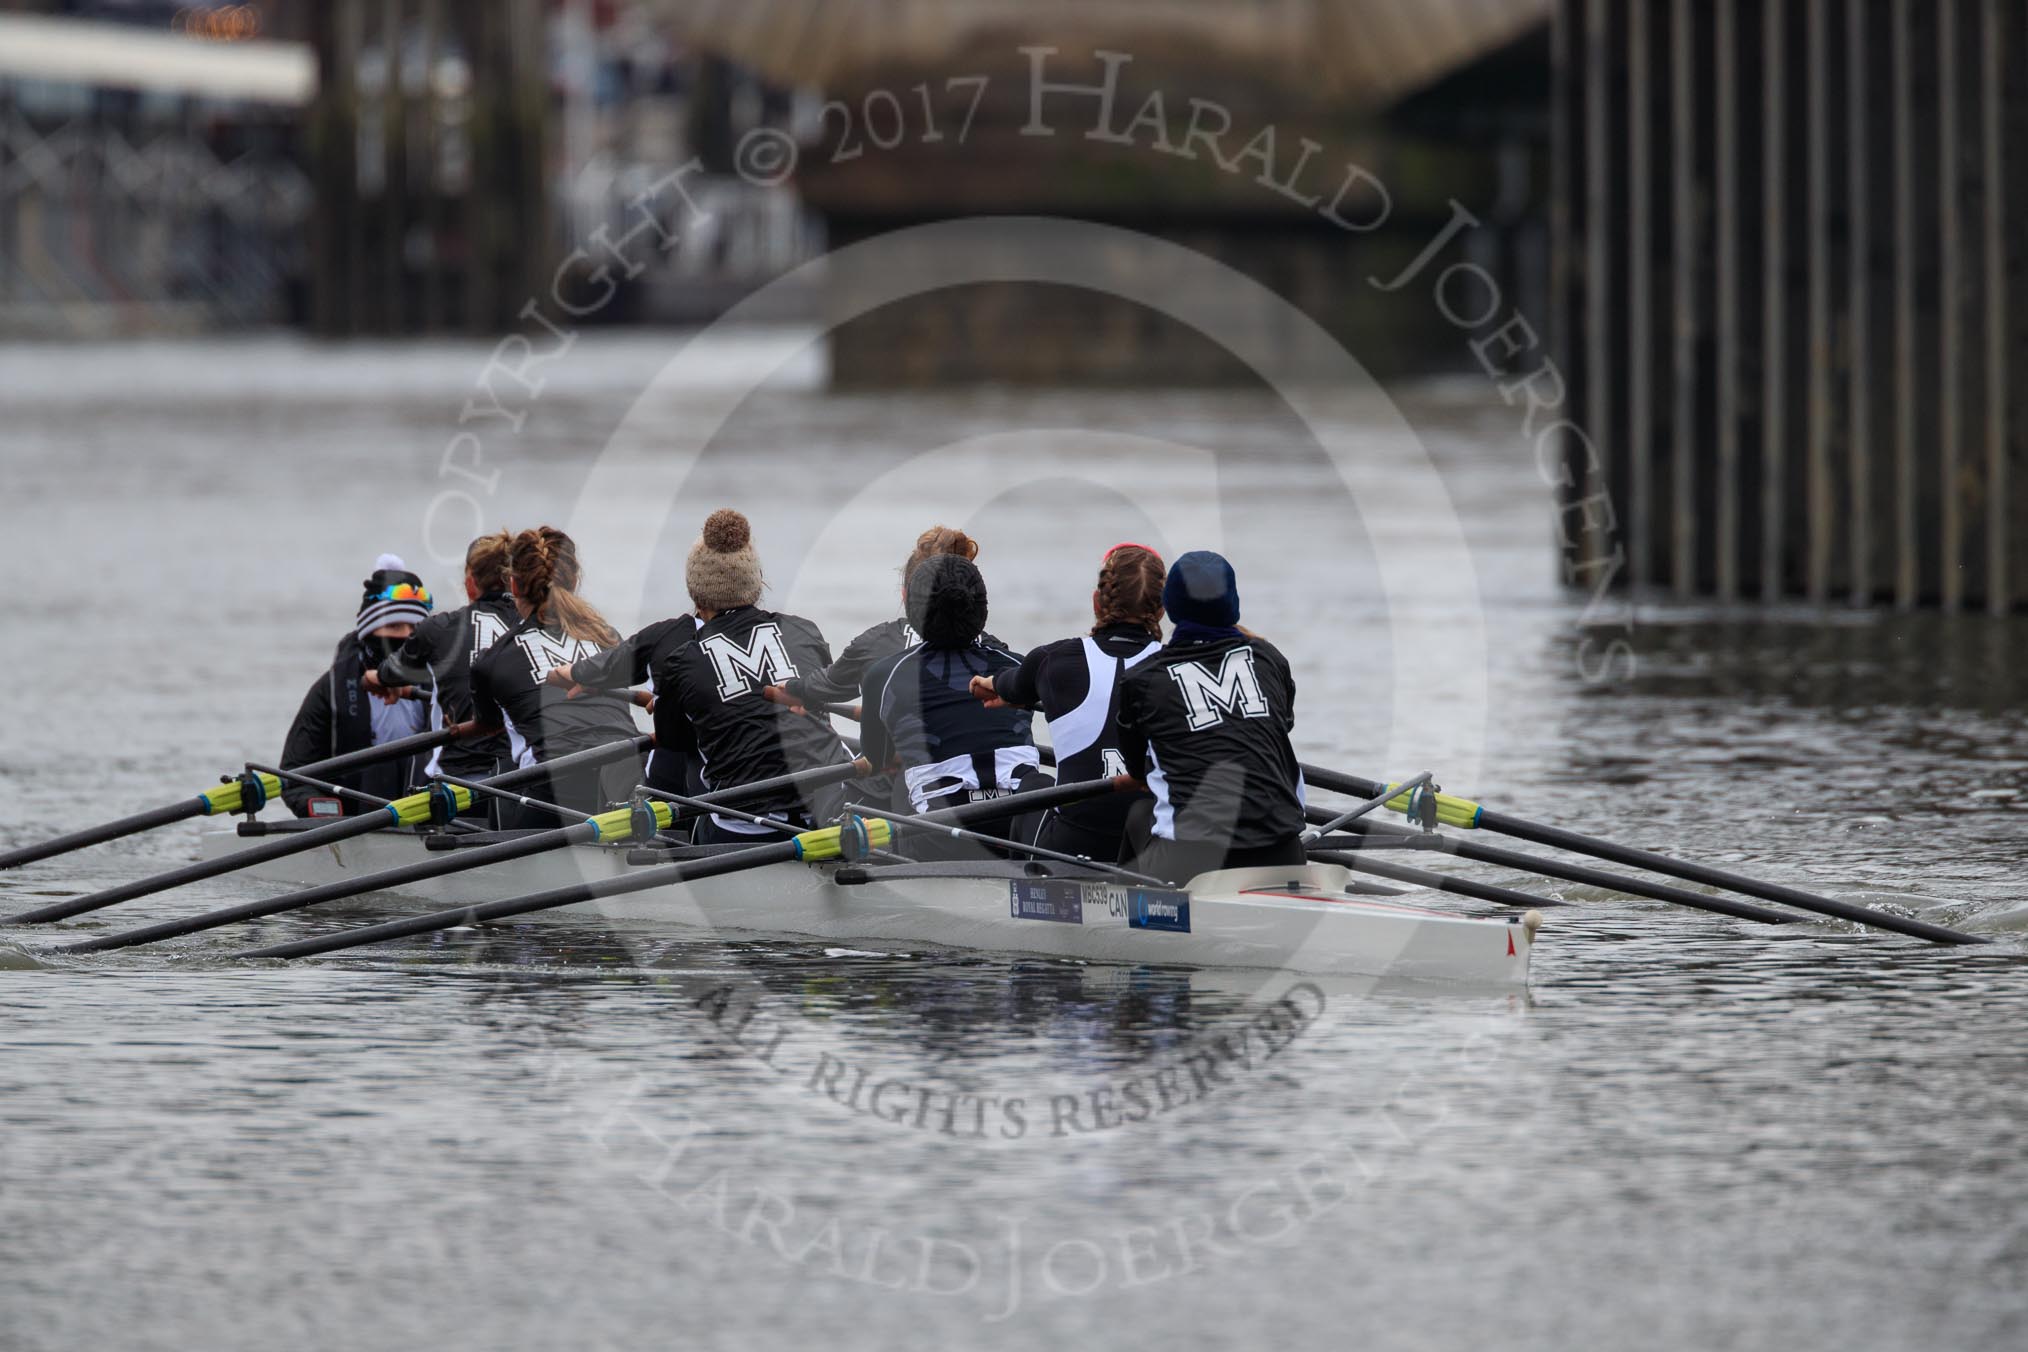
pixel 437 659
pixel 713 683
pixel 1075 683
pixel 555 626
pixel 918 715
pixel 339 714
pixel 1205 722
pixel 632 662
pixel 839 682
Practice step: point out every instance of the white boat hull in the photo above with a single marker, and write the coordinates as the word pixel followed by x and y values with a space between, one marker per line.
pixel 1293 919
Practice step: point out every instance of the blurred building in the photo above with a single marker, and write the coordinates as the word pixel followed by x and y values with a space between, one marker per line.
pixel 149 179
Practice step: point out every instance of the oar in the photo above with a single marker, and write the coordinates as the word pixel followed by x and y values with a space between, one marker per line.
pixel 226 799
pixel 1441 882
pixel 335 790
pixel 937 828
pixel 1325 828
pixel 607 826
pixel 413 810
pixel 810 846
pixel 1464 813
pixel 1557 868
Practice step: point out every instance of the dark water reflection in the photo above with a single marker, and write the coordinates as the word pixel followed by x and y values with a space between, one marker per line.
pixel 1691 1132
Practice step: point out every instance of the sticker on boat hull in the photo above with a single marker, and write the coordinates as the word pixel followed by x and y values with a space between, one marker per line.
pixel 1155 910
pixel 1064 901
pixel 1045 899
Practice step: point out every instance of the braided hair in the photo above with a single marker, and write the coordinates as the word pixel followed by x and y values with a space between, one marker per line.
pixel 1130 589
pixel 544 563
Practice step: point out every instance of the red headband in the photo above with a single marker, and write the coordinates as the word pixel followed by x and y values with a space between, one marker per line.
pixel 1129 544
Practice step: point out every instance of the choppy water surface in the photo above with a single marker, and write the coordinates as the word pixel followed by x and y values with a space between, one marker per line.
pixel 1692 1132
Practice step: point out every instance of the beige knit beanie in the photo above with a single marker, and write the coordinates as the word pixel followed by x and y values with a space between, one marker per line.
pixel 722 570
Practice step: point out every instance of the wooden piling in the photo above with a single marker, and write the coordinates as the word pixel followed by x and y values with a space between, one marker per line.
pixel 1994 51
pixel 1725 56
pixel 1774 317
pixel 1686 253
pixel 1640 487
pixel 1859 386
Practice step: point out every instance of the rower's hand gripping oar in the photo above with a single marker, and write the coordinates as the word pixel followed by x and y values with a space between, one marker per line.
pixel 811 846
pixel 235 794
pixel 441 803
pixel 1463 813
pixel 627 823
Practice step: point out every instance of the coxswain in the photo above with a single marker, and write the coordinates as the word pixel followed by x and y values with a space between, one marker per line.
pixel 554 625
pixel 339 714
pixel 712 685
pixel 436 661
pixel 1205 723
pixel 919 718
pixel 1075 684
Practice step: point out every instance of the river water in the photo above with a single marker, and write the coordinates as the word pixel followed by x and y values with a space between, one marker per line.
pixel 1690 1132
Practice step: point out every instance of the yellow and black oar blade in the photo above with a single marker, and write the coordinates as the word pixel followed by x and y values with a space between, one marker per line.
pixel 810 845
pixel 220 799
pixel 413 810
pixel 1464 813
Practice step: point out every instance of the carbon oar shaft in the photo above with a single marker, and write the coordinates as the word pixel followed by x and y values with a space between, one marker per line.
pixel 1422 877
pixel 686 871
pixel 448 862
pixel 1558 838
pixel 299 842
pixel 98 835
pixel 195 806
pixel 1575 873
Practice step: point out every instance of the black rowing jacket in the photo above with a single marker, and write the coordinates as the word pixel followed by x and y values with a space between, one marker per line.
pixel 1207 726
pixel 634 661
pixel 839 683
pixel 916 708
pixel 1075 683
pixel 339 715
pixel 542 722
pixel 714 682
pixel 438 657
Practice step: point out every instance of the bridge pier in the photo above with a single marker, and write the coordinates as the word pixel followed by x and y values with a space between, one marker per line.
pixel 1790 266
pixel 427 142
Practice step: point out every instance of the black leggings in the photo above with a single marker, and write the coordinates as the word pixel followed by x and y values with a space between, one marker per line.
pixel 1181 860
pixel 1058 832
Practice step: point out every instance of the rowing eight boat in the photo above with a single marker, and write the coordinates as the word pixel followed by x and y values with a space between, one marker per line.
pixel 1312 919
